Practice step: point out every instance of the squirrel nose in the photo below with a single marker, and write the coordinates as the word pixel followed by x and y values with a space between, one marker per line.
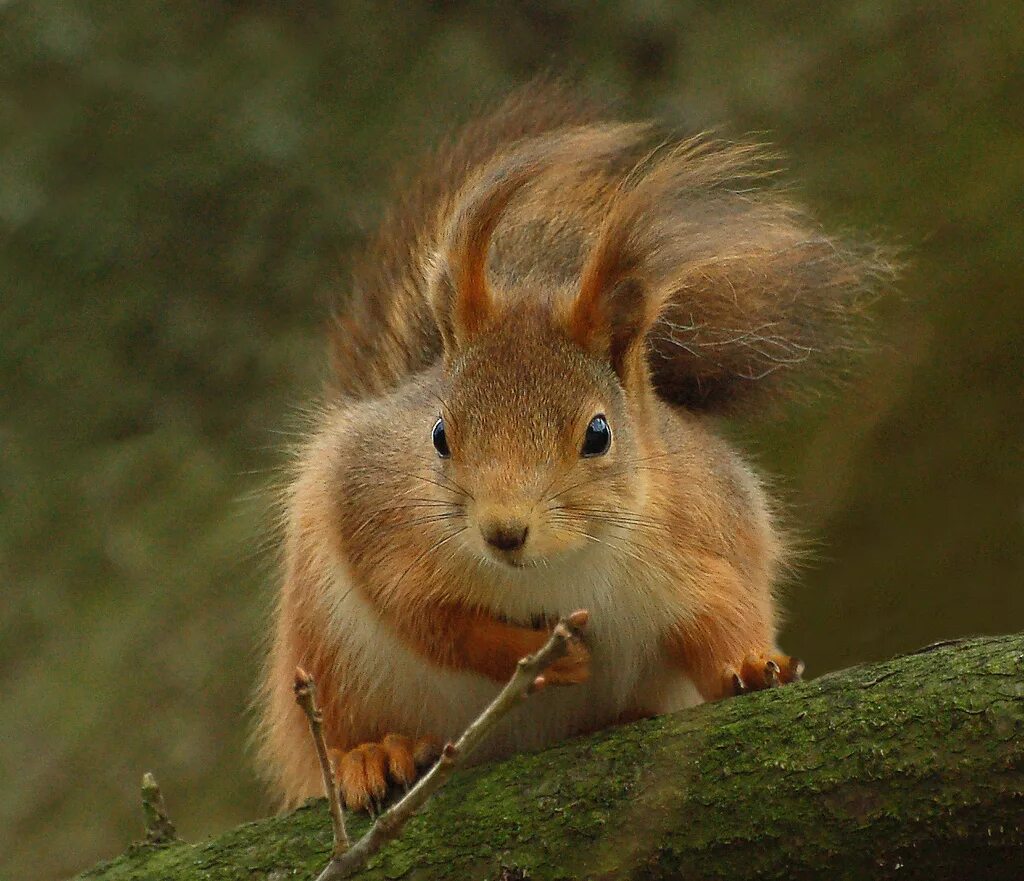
pixel 506 536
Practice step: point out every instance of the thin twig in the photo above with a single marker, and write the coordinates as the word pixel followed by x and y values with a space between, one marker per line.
pixel 527 679
pixel 305 696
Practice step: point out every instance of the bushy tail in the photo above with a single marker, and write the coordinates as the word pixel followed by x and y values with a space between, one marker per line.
pixel 750 288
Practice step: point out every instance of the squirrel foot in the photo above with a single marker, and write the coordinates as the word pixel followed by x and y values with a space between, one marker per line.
pixel 365 773
pixel 758 672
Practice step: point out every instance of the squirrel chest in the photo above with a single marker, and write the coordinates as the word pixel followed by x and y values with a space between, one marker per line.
pixel 406 691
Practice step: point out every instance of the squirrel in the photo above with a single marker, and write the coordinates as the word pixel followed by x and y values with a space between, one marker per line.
pixel 521 424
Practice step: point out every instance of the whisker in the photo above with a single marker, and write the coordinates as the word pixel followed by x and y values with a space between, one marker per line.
pixel 450 480
pixel 663 455
pixel 429 550
pixel 613 519
pixel 621 468
pixel 423 503
pixel 649 529
pixel 628 551
pixel 452 513
pixel 415 476
pixel 429 518
pixel 656 470
pixel 584 483
pixel 593 509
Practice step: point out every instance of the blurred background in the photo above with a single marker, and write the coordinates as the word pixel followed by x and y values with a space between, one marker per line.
pixel 181 186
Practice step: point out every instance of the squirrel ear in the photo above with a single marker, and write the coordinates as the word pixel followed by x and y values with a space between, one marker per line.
pixel 615 307
pixel 457 274
pixel 611 320
pixel 457 271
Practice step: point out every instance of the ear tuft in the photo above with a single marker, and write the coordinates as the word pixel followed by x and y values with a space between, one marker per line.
pixel 615 306
pixel 461 299
pixel 460 295
pixel 457 273
pixel 612 322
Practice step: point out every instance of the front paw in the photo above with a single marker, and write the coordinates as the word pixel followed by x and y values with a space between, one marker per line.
pixel 365 773
pixel 760 671
pixel 572 669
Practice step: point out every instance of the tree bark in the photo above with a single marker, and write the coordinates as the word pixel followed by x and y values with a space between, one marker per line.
pixel 912 768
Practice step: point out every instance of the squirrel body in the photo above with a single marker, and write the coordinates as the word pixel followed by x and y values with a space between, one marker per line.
pixel 520 428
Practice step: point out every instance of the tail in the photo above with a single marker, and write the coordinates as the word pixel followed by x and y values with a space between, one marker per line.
pixel 750 288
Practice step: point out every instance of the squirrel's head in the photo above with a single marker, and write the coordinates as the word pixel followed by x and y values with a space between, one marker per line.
pixel 541 420
pixel 539 435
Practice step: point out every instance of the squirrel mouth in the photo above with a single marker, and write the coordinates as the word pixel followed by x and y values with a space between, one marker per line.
pixel 512 559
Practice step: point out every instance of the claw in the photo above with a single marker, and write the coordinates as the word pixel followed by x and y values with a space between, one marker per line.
pixel 760 670
pixel 797 669
pixel 365 772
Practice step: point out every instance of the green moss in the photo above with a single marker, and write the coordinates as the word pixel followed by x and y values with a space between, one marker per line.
pixel 880 771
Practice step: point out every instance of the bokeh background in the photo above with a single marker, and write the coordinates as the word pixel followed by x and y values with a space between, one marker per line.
pixel 180 188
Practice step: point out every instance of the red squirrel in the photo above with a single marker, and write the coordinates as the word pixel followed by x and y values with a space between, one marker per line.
pixel 520 425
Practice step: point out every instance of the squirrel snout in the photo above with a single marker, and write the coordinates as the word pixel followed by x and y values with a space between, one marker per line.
pixel 505 536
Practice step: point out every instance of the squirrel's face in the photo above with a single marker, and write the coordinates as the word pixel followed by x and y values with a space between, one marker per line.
pixel 539 437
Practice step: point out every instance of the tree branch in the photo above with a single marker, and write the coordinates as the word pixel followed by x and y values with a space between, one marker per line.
pixel 912 768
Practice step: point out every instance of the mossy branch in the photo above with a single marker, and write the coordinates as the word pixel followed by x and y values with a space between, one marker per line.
pixel 912 768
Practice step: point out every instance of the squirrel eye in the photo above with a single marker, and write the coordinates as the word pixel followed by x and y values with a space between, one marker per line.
pixel 598 438
pixel 440 439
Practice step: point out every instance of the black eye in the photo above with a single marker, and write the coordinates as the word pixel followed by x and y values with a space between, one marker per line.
pixel 598 438
pixel 440 439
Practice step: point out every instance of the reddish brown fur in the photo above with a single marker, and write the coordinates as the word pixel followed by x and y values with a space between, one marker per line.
pixel 551 268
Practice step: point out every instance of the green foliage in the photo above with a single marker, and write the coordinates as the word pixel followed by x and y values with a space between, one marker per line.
pixel 181 185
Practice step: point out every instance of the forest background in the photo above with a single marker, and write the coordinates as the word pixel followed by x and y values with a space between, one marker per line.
pixel 181 186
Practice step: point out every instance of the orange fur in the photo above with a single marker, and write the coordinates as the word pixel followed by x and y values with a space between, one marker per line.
pixel 363 775
pixel 552 269
pixel 401 753
pixel 711 648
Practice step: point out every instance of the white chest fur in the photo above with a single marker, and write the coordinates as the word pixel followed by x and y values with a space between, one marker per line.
pixel 408 694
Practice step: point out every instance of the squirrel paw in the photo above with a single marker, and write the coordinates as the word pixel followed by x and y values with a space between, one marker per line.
pixel 572 669
pixel 758 672
pixel 365 773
